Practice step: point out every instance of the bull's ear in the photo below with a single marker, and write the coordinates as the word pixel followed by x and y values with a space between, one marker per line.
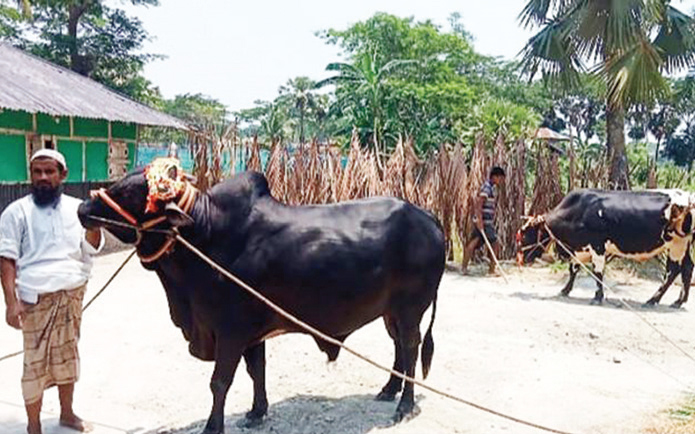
pixel 176 216
pixel 687 225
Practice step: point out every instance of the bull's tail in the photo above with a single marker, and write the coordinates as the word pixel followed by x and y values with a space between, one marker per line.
pixel 427 350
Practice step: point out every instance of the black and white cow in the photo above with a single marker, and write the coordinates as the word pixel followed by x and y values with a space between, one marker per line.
pixel 596 224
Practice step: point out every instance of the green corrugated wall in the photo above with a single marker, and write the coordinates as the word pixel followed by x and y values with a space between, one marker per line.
pixel 85 144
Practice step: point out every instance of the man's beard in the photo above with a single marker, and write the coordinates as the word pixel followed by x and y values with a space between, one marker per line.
pixel 45 195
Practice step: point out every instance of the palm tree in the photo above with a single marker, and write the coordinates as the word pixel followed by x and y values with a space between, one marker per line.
pixel 273 124
pixel 627 44
pixel 299 96
pixel 364 84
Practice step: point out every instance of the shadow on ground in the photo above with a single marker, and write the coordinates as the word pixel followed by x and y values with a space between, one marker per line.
pixel 304 414
pixel 609 302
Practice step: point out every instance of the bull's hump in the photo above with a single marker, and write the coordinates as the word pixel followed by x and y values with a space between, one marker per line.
pixel 245 186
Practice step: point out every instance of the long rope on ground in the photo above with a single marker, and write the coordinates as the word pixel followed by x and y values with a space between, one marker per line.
pixel 108 282
pixel 338 343
pixel 620 299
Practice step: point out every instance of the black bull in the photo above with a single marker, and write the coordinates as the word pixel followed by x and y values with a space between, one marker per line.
pixel 336 267
pixel 596 224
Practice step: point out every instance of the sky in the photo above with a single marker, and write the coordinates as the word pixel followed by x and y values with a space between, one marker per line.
pixel 241 51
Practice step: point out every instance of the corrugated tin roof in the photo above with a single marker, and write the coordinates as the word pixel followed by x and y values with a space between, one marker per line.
pixel 35 85
pixel 548 134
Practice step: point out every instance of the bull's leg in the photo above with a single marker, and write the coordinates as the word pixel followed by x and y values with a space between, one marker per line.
pixel 227 357
pixel 394 385
pixel 255 365
pixel 410 340
pixel 672 271
pixel 574 268
pixel 686 276
pixel 598 258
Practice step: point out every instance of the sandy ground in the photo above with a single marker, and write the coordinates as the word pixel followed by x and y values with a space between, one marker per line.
pixel 516 348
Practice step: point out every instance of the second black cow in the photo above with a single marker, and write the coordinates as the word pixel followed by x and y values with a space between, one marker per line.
pixel 596 224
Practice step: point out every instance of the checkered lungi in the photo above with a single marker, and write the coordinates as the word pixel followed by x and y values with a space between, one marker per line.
pixel 51 329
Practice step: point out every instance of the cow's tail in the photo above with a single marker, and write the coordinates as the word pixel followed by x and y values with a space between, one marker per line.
pixel 427 350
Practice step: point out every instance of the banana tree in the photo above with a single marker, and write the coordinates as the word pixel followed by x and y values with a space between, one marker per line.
pixel 364 83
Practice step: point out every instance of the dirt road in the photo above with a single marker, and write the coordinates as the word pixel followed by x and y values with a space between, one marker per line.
pixel 516 348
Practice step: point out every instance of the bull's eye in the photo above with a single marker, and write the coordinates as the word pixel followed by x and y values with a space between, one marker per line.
pixel 172 173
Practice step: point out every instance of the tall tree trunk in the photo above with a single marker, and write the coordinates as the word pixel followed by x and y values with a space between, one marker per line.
pixel 570 153
pixel 78 63
pixel 615 128
pixel 652 179
pixel 301 127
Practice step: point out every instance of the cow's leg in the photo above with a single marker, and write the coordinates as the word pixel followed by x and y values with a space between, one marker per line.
pixel 410 341
pixel 672 270
pixel 574 268
pixel 227 357
pixel 394 385
pixel 598 258
pixel 686 276
pixel 255 365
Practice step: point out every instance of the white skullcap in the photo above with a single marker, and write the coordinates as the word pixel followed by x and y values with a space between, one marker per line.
pixel 50 153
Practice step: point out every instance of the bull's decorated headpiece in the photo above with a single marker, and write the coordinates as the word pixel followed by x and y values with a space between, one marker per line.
pixel 165 181
pixel 533 220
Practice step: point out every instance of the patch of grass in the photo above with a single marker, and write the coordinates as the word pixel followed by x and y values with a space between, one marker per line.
pixel 679 420
pixel 559 267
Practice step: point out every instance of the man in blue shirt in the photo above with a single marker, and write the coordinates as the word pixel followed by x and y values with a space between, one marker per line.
pixel 484 218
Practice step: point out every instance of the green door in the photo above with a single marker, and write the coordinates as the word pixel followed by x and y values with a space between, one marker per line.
pixel 72 150
pixel 97 161
pixel 13 164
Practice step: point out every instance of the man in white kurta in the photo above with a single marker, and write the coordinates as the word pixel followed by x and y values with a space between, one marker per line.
pixel 45 262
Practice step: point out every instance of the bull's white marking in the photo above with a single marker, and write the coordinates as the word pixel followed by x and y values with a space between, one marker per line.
pixel 599 261
pixel 583 256
pixel 613 250
pixel 600 213
pixel 678 248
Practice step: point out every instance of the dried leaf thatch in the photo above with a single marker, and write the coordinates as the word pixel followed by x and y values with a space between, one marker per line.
pixel 547 191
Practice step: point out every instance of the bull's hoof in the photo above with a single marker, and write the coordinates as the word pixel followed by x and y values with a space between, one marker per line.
pixel 214 426
pixel 250 422
pixel 677 305
pixel 386 396
pixel 253 418
pixel 596 301
pixel 565 292
pixel 650 303
pixel 404 411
